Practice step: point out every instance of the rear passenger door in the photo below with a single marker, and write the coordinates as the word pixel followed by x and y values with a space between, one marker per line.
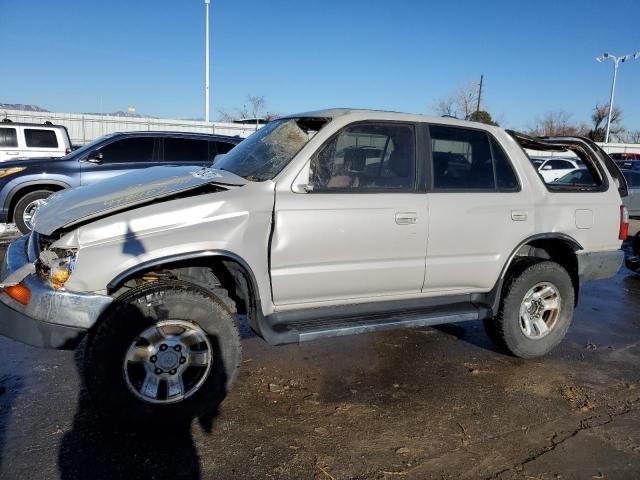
pixel 9 147
pixel 478 211
pixel 118 157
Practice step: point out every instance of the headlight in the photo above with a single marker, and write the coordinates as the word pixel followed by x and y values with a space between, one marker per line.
pixel 57 270
pixel 5 172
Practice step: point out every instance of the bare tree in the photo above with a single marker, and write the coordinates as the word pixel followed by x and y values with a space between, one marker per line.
pixel 254 108
pixel 256 105
pixel 599 119
pixel 556 123
pixel 633 136
pixel 461 103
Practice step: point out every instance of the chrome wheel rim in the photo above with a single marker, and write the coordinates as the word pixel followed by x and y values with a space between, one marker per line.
pixel 168 362
pixel 540 310
pixel 30 211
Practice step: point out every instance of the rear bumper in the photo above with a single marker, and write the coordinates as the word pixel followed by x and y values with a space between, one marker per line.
pixel 599 265
pixel 52 318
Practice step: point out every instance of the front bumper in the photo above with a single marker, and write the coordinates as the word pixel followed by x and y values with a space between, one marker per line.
pixel 53 318
pixel 599 265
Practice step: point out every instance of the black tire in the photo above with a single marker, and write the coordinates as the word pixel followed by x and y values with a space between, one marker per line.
pixel 505 328
pixel 636 245
pixel 22 204
pixel 138 310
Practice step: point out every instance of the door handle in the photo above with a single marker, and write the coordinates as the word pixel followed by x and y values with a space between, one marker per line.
pixel 519 215
pixel 12 153
pixel 406 218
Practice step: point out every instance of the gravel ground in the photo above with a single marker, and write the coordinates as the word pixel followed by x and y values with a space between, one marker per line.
pixel 437 403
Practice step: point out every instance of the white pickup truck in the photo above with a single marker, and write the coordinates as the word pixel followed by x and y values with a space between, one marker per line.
pixel 321 224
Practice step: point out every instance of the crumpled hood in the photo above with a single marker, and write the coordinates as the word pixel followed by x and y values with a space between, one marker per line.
pixel 68 207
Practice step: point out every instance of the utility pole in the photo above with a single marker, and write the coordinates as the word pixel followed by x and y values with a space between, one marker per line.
pixel 206 61
pixel 479 93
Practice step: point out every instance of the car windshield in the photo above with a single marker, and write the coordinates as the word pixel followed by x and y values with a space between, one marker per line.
pixel 264 154
pixel 88 147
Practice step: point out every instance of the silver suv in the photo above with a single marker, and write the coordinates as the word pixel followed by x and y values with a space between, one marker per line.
pixel 321 224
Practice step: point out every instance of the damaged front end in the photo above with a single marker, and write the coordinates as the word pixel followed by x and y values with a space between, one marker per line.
pixel 34 306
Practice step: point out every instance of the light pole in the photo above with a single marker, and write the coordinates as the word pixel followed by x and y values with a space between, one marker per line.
pixel 206 61
pixel 616 61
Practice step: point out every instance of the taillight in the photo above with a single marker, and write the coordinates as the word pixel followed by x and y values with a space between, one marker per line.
pixel 624 223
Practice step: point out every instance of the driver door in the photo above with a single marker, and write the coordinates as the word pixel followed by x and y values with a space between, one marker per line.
pixel 361 232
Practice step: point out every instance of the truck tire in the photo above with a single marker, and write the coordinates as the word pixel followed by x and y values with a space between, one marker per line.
pixel 26 206
pixel 535 311
pixel 165 353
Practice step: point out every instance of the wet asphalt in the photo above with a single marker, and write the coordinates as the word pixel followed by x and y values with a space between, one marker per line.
pixel 437 403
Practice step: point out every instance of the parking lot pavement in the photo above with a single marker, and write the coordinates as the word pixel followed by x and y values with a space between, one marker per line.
pixel 414 404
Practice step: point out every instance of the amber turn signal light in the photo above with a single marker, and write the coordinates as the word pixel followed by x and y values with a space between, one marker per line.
pixel 19 293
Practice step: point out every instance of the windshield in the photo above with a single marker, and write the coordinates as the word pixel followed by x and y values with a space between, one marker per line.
pixel 89 146
pixel 265 153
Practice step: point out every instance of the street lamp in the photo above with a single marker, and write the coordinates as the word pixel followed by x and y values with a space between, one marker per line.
pixel 206 61
pixel 616 62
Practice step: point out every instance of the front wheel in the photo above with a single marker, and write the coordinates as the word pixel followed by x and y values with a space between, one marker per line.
pixel 26 207
pixel 536 310
pixel 166 351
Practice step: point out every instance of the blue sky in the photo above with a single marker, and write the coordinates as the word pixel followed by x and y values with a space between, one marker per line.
pixel 536 56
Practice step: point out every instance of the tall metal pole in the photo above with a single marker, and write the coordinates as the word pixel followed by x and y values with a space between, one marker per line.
pixel 206 61
pixel 613 90
pixel 479 93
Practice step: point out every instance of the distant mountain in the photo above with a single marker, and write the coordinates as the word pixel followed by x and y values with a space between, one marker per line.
pixel 20 106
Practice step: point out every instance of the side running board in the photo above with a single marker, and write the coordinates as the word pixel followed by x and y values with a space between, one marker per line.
pixel 313 329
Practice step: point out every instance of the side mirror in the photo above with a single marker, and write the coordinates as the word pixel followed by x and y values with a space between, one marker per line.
pixel 546 167
pixel 218 157
pixel 95 157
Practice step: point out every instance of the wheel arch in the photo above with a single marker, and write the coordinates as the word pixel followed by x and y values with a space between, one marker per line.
pixel 31 186
pixel 555 246
pixel 234 273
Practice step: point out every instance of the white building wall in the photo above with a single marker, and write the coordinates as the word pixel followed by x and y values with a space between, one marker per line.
pixel 85 128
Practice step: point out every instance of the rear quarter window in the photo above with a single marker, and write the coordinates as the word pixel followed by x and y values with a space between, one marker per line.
pixel 39 138
pixel 8 137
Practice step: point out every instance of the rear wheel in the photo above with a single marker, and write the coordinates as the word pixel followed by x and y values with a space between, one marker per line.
pixel 166 352
pixel 535 312
pixel 26 207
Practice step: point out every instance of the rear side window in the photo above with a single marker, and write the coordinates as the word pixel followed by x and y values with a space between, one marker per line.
pixel 179 150
pixel 128 150
pixel 8 137
pixel 220 147
pixel 558 165
pixel 37 138
pixel 469 160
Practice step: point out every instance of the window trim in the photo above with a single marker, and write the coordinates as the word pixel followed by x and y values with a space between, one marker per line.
pixel 431 188
pixel 416 183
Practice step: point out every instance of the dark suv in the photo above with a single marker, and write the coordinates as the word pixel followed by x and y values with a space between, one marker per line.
pixel 25 183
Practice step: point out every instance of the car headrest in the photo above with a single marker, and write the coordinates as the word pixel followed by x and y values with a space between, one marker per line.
pixel 355 159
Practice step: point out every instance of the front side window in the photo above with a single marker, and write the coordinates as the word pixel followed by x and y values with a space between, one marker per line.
pixel 37 138
pixel 368 156
pixel 8 137
pixel 180 150
pixel 128 150
pixel 461 159
pixel 266 152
